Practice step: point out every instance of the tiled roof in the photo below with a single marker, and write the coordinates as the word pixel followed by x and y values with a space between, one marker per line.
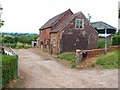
pixel 66 22
pixel 53 20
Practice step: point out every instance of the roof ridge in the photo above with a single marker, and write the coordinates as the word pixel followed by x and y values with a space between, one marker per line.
pixel 54 20
pixel 65 12
pixel 68 20
pixel 104 23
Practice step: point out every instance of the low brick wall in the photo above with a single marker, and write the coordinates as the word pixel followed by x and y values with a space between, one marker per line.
pixel 94 52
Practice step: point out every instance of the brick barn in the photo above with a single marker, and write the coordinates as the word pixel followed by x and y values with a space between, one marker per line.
pixel 67 32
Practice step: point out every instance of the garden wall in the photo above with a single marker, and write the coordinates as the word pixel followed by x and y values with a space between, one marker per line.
pixel 94 52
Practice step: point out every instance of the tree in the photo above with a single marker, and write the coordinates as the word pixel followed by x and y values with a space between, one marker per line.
pixel 89 17
pixel 1 23
pixel 9 39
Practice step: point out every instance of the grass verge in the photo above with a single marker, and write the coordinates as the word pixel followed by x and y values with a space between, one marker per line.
pixel 109 61
pixel 69 57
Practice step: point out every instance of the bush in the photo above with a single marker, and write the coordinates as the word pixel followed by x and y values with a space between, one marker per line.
pixel 12 45
pixel 19 45
pixel 27 46
pixel 9 68
pixel 116 40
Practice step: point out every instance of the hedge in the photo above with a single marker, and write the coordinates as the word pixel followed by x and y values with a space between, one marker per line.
pixel 9 68
pixel 116 40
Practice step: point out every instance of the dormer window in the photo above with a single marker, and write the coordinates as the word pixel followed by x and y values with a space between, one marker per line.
pixel 79 24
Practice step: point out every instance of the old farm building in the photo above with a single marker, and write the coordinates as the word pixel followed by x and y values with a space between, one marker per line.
pixel 67 32
pixel 100 27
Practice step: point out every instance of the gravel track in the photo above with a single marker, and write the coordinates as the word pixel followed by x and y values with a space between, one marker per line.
pixel 45 72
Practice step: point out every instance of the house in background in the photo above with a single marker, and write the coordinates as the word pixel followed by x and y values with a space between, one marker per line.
pixel 100 28
pixel 67 32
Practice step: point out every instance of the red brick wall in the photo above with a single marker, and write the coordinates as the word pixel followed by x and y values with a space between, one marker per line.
pixel 94 52
pixel 54 48
pixel 88 29
pixel 45 34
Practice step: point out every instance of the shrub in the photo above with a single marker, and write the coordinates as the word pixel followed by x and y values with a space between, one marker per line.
pixel 9 68
pixel 116 40
pixel 19 45
pixel 12 45
pixel 27 46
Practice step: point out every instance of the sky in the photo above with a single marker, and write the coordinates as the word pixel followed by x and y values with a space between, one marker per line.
pixel 27 16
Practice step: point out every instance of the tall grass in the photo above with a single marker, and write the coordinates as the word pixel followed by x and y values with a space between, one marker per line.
pixel 101 43
pixel 109 61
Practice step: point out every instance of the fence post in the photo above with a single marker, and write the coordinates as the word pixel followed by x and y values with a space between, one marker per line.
pixel 105 39
pixel 79 56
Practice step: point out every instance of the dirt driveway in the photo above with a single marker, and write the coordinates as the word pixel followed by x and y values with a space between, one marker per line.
pixel 45 72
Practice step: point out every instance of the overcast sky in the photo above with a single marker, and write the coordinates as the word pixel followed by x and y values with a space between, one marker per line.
pixel 27 16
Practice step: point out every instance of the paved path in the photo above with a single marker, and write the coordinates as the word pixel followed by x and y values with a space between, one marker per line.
pixel 44 72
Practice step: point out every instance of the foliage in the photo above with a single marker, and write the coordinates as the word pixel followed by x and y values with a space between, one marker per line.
pixel 9 68
pixel 9 39
pixel 101 43
pixel 12 45
pixel 18 40
pixel 70 57
pixel 109 61
pixel 19 45
pixel 1 23
pixel 89 17
pixel 27 46
pixel 116 39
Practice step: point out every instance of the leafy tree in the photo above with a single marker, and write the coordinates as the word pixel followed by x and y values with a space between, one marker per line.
pixel 1 23
pixel 9 39
pixel 89 17
pixel 18 40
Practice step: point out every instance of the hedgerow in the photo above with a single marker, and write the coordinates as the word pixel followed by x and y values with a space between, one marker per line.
pixel 9 66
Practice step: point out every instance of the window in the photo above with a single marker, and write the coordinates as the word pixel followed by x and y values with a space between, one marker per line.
pixel 79 23
pixel 54 42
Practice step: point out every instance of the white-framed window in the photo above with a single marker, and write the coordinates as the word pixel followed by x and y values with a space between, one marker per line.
pixel 79 23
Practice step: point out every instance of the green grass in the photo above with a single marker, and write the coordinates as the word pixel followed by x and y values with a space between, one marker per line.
pixel 101 43
pixel 6 59
pixel 109 61
pixel 69 57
